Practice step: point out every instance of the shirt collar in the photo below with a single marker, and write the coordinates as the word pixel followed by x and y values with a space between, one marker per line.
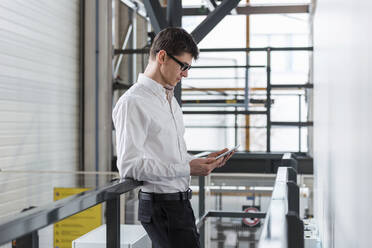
pixel 154 86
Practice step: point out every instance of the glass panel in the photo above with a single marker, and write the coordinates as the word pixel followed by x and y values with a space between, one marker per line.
pixel 36 188
pixel 304 139
pixel 279 30
pixel 258 133
pixel 286 107
pixel 235 194
pixel 290 67
pixel 285 139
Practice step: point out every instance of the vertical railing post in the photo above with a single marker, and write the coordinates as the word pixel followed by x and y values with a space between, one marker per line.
pixel 299 122
pixel 202 209
pixel 295 226
pixel 295 231
pixel 113 222
pixel 268 100
pixel 293 197
pixel 30 240
pixel 246 86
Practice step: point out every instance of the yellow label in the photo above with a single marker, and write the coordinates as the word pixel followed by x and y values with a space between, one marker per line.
pixel 230 101
pixel 65 231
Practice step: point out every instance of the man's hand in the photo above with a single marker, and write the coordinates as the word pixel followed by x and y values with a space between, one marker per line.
pixel 225 158
pixel 204 166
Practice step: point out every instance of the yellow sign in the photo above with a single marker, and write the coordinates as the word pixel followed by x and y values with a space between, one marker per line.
pixel 65 231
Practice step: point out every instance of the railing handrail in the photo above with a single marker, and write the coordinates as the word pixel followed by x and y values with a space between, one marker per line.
pixel 274 231
pixel 39 217
pixel 283 228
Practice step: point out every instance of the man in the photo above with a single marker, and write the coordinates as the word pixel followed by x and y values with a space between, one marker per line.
pixel 151 147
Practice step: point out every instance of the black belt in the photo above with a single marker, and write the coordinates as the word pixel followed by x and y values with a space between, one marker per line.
pixel 179 196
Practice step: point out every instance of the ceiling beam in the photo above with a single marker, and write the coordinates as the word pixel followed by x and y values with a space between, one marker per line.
pixel 213 19
pixel 174 13
pixel 254 9
pixel 156 14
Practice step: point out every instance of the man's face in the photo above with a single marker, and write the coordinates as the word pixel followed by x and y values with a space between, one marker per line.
pixel 171 69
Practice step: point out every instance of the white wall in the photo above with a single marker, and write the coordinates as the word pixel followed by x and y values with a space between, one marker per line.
pixel 342 121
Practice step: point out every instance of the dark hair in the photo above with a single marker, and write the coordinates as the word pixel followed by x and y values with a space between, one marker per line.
pixel 174 41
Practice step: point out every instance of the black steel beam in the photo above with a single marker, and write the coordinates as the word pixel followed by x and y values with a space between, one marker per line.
pixel 273 9
pixel 256 49
pixel 174 19
pixel 223 126
pixel 156 14
pixel 226 101
pixel 254 9
pixel 174 13
pixel 248 162
pixel 292 123
pixel 299 86
pixel 251 49
pixel 224 112
pixel 213 19
pixel 242 214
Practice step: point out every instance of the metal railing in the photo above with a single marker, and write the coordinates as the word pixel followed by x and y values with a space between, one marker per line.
pixel 40 217
pixel 282 227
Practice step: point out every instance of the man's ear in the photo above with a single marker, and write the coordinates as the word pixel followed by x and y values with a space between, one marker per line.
pixel 160 57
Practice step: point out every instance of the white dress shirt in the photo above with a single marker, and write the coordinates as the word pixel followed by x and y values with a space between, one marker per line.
pixel 149 138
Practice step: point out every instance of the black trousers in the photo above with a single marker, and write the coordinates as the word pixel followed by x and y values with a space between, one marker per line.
pixel 170 224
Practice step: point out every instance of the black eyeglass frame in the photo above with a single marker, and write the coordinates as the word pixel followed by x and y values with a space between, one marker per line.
pixel 184 66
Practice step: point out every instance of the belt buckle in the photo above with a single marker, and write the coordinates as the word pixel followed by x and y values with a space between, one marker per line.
pixel 183 196
pixel 186 195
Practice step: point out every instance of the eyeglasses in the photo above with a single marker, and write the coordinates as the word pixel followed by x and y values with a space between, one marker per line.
pixel 184 66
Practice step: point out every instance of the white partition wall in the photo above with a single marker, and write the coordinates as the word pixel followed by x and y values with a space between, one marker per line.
pixel 39 95
pixel 343 121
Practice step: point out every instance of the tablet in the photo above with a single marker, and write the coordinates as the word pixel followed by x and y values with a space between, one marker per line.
pixel 228 152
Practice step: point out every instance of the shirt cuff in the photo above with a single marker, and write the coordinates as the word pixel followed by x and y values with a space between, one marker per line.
pixel 189 157
pixel 182 170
